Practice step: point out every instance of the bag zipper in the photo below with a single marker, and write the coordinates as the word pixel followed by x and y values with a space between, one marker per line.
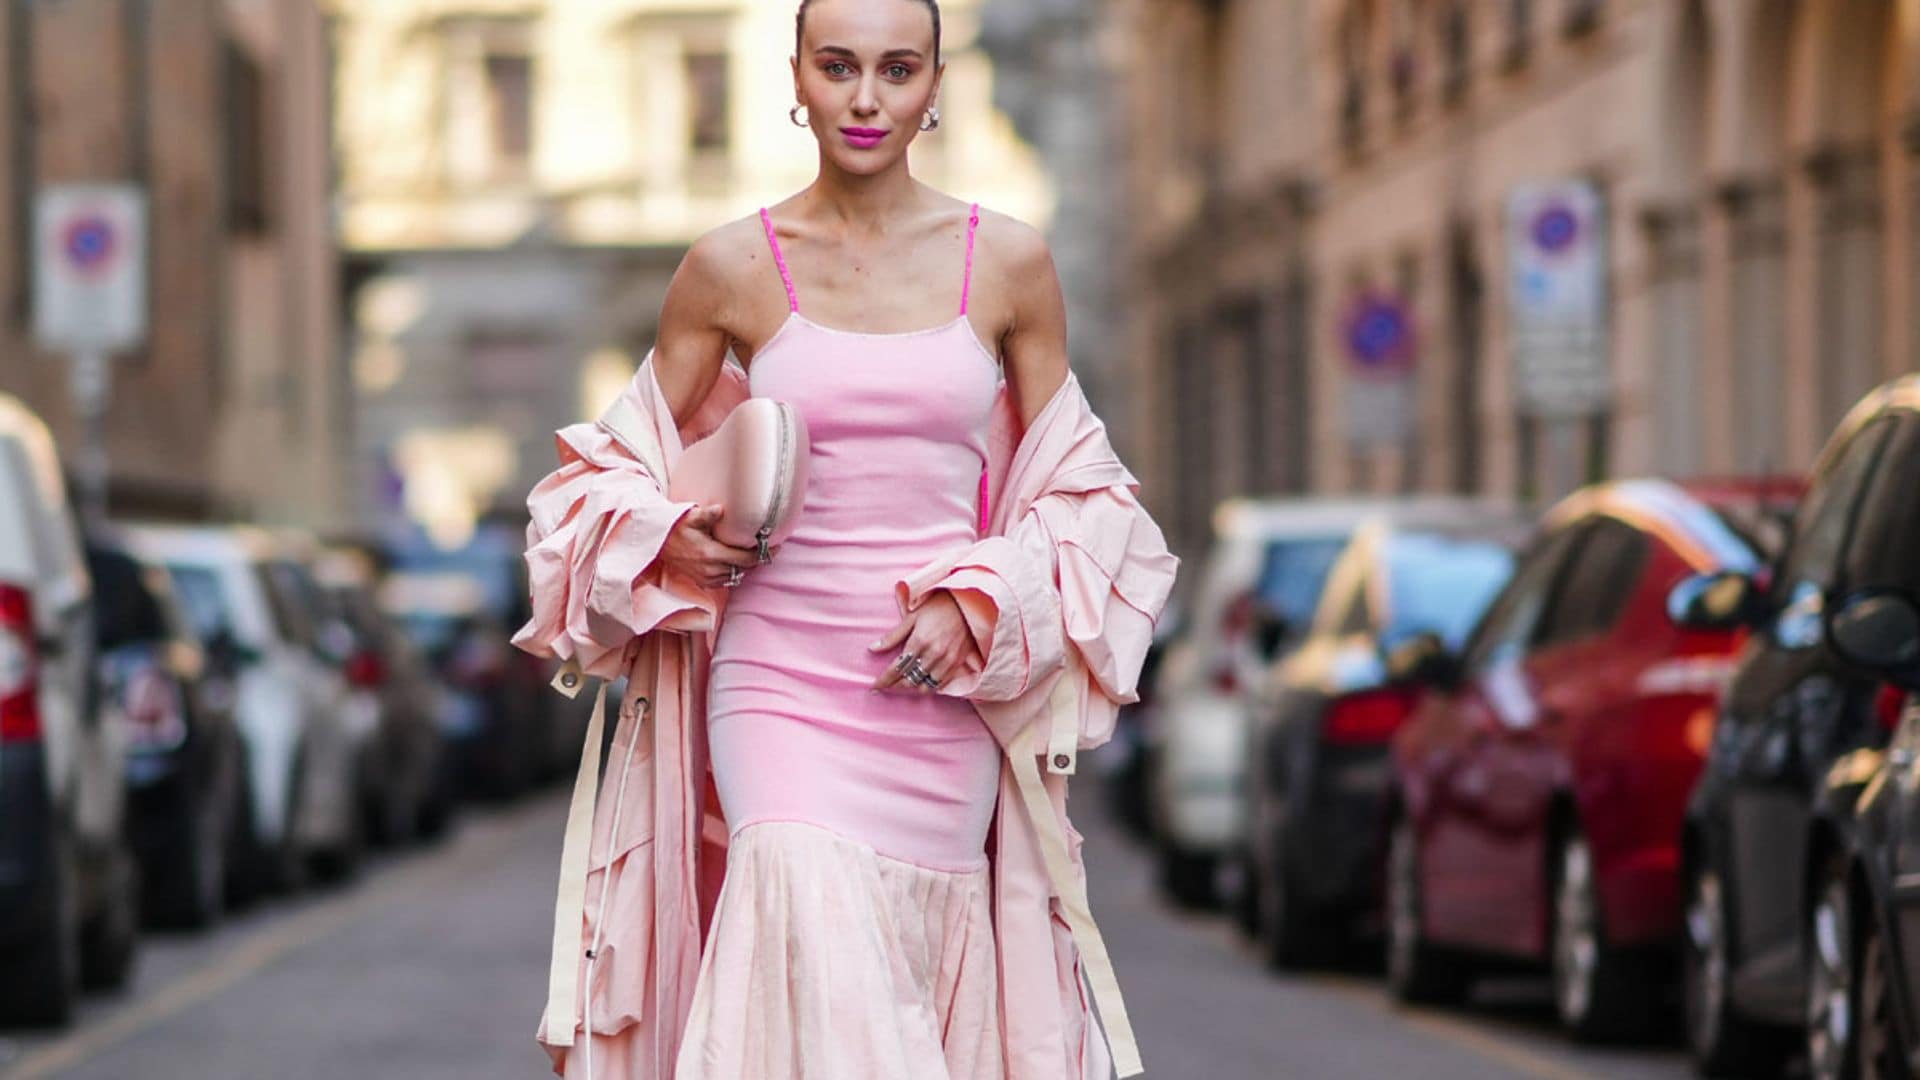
pixel 781 483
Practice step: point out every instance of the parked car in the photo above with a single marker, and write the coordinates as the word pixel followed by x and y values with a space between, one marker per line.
pixel 496 744
pixel 302 744
pixel 1863 1018
pixel 1195 735
pixel 185 757
pixel 1540 787
pixel 1323 725
pixel 1799 729
pixel 517 689
pixel 1123 761
pixel 69 884
pixel 409 781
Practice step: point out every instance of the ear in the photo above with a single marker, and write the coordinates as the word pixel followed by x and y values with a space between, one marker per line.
pixel 794 63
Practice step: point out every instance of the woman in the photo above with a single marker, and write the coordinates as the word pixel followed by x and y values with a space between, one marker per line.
pixel 862 685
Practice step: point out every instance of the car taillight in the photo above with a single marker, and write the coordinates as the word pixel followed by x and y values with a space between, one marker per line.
pixel 1367 718
pixel 1888 704
pixel 366 670
pixel 19 667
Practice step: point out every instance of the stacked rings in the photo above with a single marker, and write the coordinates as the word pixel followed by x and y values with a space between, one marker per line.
pixel 919 676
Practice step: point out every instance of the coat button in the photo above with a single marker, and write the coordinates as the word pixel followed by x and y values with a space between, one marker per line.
pixel 1061 761
pixel 569 680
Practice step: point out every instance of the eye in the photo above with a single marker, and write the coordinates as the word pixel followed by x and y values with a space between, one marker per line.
pixel 899 71
pixel 837 67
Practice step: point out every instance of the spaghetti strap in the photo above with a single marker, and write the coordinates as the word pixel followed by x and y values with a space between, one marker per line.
pixel 786 278
pixel 966 283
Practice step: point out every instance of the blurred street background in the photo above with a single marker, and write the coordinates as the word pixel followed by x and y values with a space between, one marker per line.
pixel 1529 387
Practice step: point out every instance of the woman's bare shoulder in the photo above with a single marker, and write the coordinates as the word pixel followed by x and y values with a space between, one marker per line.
pixel 1017 247
pixel 727 254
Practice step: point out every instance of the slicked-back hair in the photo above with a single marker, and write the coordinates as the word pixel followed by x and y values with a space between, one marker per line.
pixel 800 24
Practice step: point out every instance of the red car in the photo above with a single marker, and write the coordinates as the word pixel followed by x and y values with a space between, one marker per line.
pixel 1540 786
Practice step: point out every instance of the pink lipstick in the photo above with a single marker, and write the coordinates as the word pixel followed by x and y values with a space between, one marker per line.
pixel 863 138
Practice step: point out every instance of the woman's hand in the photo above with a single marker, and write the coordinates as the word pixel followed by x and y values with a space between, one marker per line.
pixel 691 549
pixel 937 634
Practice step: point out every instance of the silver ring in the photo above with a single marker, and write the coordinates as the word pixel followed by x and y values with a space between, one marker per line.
pixel 734 575
pixel 919 674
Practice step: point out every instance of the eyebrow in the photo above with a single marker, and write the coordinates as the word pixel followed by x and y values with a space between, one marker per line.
pixel 890 54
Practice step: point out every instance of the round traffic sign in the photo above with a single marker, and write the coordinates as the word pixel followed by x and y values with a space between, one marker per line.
pixel 89 242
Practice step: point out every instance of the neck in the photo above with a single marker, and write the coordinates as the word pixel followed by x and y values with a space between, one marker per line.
pixel 865 203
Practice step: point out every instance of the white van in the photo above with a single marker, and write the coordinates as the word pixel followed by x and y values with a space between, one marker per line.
pixel 69 894
pixel 240 586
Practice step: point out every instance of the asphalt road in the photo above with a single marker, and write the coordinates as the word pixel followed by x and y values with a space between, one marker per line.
pixel 432 964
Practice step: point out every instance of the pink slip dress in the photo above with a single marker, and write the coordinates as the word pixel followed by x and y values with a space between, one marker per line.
pixel 852 938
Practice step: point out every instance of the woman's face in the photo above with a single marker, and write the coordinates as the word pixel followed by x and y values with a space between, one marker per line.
pixel 866 74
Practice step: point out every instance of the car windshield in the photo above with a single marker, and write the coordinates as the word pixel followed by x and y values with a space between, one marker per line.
pixel 198 588
pixel 1441 584
pixel 1295 572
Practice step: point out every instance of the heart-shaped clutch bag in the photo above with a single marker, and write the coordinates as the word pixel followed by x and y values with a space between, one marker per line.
pixel 755 465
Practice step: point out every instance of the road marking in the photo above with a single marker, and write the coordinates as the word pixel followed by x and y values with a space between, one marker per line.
pixel 272 943
pixel 1458 1031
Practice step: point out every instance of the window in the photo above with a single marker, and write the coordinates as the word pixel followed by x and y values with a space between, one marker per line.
pixel 1294 575
pixel 203 598
pixel 708 102
pixel 1508 630
pixel 1519 32
pixel 1598 582
pixel 1352 46
pixel 1882 551
pixel 249 202
pixel 509 79
pixel 1441 584
pixel 1820 529
pixel 1580 16
pixel 1456 50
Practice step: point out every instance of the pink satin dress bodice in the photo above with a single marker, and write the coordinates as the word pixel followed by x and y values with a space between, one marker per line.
pixel 898 428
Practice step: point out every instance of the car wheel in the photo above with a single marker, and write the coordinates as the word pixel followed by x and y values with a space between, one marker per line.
pixel 1417 973
pixel 337 862
pixel 246 855
pixel 1596 990
pixel 1291 937
pixel 284 866
pixel 1246 894
pixel 1832 1050
pixel 1721 1041
pixel 192 893
pixel 110 939
pixel 1188 877
pixel 42 986
pixel 1882 1052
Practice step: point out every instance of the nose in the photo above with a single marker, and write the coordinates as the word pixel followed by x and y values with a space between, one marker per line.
pixel 866 101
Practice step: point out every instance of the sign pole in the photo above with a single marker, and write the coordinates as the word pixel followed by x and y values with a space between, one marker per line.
pixel 91 381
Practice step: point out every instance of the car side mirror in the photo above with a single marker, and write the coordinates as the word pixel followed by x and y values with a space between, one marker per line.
pixel 1723 600
pixel 1424 659
pixel 1878 629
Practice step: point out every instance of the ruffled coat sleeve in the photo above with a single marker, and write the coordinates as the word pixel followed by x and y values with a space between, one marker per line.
pixel 1076 563
pixel 597 524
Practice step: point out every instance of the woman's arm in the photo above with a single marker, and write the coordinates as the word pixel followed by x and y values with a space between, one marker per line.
pixel 1034 344
pixel 695 317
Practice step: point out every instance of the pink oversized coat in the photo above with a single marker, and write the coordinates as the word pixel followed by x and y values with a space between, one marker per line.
pixel 1061 594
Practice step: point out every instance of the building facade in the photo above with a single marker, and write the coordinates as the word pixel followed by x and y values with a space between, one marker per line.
pixel 217 110
pixel 1364 221
pixel 520 180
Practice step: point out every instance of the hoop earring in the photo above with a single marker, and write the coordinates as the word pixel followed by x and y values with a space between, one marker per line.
pixel 793 114
pixel 931 119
